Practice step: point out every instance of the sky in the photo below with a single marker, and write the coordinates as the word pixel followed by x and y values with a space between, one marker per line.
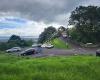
pixel 30 17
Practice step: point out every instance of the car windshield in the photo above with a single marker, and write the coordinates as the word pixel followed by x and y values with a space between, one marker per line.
pixel 30 49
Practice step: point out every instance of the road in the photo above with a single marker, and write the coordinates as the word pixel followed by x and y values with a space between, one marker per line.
pixel 63 52
pixel 77 51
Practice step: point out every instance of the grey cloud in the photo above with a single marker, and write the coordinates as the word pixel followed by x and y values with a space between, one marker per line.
pixel 40 10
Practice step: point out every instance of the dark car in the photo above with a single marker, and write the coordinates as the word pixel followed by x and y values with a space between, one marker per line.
pixel 98 52
pixel 30 51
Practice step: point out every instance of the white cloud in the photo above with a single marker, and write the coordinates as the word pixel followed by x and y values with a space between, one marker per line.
pixel 91 2
pixel 32 28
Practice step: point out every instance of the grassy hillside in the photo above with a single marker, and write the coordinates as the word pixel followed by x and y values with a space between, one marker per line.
pixel 58 43
pixel 51 68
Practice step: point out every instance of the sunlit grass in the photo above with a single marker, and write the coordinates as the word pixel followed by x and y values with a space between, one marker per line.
pixel 60 44
pixel 49 68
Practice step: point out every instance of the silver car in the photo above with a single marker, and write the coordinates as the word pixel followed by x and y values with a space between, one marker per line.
pixel 49 46
pixel 14 49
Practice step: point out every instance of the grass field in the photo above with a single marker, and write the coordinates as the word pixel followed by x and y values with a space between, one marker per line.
pixel 58 43
pixel 50 68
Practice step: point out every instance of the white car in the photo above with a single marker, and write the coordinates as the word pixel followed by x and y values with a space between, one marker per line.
pixel 36 45
pixel 14 49
pixel 43 46
pixel 47 46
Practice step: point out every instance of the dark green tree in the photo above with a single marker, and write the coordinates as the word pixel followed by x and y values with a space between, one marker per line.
pixel 14 38
pixel 46 34
pixel 87 23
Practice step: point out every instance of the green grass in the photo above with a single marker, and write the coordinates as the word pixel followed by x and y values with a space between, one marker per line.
pixel 58 43
pixel 50 68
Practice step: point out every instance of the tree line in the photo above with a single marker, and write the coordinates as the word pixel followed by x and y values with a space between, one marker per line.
pixel 15 41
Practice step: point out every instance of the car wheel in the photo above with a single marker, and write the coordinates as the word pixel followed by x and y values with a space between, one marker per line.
pixel 22 54
pixel 8 51
pixel 18 50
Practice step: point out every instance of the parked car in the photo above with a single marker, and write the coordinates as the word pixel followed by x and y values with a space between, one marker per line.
pixel 36 45
pixel 98 52
pixel 49 46
pixel 14 49
pixel 43 46
pixel 29 51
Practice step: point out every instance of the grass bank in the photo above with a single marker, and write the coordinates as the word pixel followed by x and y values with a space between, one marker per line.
pixel 60 44
pixel 50 68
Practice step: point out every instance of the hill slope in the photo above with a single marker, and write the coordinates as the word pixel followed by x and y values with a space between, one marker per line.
pixel 60 44
pixel 50 68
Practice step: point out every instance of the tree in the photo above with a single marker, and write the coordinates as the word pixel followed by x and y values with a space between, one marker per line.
pixel 14 38
pixel 87 22
pixel 46 34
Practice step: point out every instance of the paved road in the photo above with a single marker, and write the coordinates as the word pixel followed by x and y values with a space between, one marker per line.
pixel 68 52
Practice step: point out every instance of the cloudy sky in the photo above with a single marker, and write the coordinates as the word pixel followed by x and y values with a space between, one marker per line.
pixel 30 17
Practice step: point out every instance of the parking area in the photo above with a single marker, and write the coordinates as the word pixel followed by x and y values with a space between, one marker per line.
pixel 59 52
pixel 75 50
